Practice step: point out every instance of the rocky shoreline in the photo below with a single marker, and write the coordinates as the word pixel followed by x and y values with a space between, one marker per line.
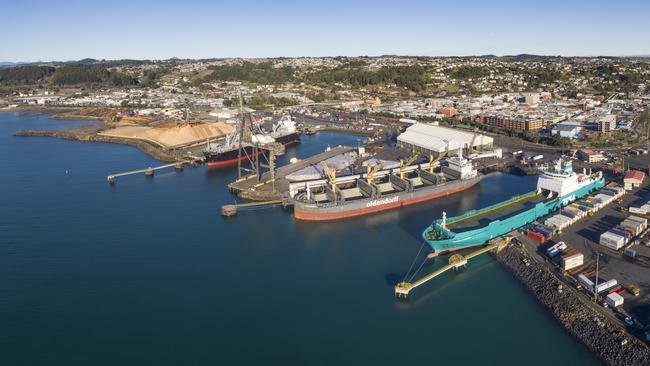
pixel 603 337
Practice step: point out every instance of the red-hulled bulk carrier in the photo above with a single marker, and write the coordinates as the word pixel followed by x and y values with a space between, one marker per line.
pixel 393 189
pixel 227 153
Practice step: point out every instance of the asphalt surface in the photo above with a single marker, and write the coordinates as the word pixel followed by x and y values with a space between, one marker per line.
pixel 584 236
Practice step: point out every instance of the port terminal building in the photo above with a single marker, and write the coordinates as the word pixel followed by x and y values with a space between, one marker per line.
pixel 425 138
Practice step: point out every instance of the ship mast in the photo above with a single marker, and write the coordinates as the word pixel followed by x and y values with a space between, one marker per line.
pixel 245 135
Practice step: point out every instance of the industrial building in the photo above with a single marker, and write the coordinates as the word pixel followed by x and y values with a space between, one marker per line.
pixel 633 179
pixel 433 139
pixel 566 131
pixel 590 156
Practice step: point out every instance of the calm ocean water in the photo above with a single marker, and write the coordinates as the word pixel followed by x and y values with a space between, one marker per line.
pixel 146 272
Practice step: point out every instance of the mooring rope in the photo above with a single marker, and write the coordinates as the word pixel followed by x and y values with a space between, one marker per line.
pixel 419 268
pixel 413 263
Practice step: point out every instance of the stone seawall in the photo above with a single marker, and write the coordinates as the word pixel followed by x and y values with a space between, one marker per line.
pixel 600 334
pixel 80 134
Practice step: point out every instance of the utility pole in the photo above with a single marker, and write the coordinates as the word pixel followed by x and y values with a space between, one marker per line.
pixel 596 285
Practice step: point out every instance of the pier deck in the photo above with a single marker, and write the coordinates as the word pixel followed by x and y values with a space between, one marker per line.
pixel 456 261
pixel 262 188
pixel 150 170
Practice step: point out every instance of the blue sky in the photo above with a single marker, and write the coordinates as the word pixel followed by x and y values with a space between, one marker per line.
pixel 66 30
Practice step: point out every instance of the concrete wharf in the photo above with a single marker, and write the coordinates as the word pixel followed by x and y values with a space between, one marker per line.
pixel 265 188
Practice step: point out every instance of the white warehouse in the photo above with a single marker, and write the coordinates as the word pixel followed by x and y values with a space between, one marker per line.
pixel 429 138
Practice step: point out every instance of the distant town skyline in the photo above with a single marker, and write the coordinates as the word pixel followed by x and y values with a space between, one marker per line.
pixel 36 30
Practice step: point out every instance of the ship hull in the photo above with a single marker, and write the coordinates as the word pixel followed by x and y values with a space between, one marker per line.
pixel 499 227
pixel 314 212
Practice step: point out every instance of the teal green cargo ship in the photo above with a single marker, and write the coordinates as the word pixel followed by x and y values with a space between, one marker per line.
pixel 556 187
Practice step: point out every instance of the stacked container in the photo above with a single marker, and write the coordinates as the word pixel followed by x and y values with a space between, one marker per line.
pixel 612 240
pixel 621 234
pixel 572 260
pixel 536 236
pixel 642 210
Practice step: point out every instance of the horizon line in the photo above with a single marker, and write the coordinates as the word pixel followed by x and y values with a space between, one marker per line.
pixel 330 56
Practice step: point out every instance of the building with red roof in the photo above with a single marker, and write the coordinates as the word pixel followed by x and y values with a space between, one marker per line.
pixel 633 179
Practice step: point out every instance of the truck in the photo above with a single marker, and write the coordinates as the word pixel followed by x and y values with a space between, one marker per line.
pixel 556 249
pixel 634 289
pixel 606 285
pixel 586 282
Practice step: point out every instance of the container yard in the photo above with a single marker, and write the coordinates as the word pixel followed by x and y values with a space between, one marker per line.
pixel 604 248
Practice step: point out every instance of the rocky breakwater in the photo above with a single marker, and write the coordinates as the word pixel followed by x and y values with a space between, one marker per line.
pixel 89 133
pixel 601 334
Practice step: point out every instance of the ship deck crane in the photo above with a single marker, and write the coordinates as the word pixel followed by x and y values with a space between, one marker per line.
pixel 403 164
pixel 433 162
pixel 470 148
pixel 331 175
pixel 372 171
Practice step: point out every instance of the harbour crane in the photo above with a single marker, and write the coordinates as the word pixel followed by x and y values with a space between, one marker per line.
pixel 331 175
pixel 403 164
pixel 372 171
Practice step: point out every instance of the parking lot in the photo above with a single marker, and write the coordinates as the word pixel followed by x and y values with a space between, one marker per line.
pixel 584 236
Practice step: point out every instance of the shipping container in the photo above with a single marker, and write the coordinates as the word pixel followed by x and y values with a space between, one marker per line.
pixel 536 236
pixel 612 240
pixel 606 285
pixel 638 210
pixel 634 228
pixel 547 234
pixel 618 289
pixel 551 230
pixel 614 300
pixel 586 282
pixel 570 261
pixel 622 231
pixel 566 219
pixel 609 192
pixel 642 220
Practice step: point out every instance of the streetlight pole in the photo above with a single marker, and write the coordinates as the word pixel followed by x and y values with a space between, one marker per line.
pixel 596 285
